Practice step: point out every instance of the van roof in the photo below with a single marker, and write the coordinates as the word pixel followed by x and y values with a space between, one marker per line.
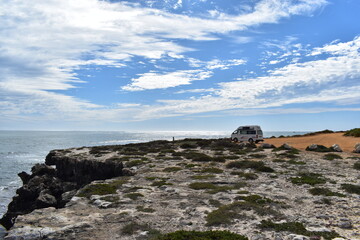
pixel 250 126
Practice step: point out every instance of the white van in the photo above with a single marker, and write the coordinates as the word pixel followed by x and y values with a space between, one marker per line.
pixel 252 133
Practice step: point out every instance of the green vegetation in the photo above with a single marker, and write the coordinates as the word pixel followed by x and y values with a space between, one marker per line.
pixel 292 161
pixel 256 155
pixel 195 235
pixel 357 165
pixel 214 202
pixel 134 196
pixel 213 188
pixel 188 146
pixel 255 199
pixel 172 169
pixel 256 165
pixel 102 188
pixel 320 148
pixel 160 183
pixel 144 209
pixel 134 163
pixel 350 188
pixel 324 192
pixel 308 178
pixel 355 132
pixel 331 156
pixel 132 227
pixel 247 176
pixel 297 228
pixel 226 213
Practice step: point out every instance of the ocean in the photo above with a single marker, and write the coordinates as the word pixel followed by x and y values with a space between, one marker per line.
pixel 20 150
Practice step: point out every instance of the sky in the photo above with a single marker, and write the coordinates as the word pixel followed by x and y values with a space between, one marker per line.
pixel 149 65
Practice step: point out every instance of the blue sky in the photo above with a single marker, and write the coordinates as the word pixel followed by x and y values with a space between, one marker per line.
pixel 288 65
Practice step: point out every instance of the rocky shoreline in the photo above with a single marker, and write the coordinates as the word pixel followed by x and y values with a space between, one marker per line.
pixel 140 191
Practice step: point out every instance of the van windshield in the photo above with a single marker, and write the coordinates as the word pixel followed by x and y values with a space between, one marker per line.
pixel 260 132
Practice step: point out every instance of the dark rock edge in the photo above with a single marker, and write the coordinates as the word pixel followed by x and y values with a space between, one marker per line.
pixel 54 187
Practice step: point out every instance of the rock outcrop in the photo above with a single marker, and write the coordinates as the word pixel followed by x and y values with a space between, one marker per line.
pixel 54 187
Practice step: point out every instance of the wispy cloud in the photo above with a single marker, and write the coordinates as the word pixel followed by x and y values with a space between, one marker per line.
pixel 154 80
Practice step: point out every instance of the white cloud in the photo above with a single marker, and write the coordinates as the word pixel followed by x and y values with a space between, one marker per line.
pixel 154 80
pixel 334 79
pixel 42 43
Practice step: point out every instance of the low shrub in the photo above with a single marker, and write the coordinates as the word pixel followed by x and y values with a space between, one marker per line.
pixel 308 178
pixel 355 132
pixel 331 156
pixel 226 213
pixel 297 228
pixel 134 196
pixel 357 165
pixel 351 188
pixel 144 209
pixel 195 235
pixel 97 189
pixel 172 169
pixel 134 163
pixel 320 148
pixel 325 192
pixel 188 146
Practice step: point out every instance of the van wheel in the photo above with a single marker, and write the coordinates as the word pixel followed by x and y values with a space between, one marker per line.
pixel 251 140
pixel 235 140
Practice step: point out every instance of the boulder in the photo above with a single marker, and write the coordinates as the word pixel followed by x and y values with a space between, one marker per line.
pixel 336 148
pixel 357 148
pixel 312 147
pixel 45 200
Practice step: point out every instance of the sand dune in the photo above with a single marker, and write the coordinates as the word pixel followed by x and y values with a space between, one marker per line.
pixel 328 139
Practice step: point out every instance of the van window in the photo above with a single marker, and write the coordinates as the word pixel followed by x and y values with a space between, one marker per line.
pixel 251 132
pixel 260 132
pixel 243 132
pixel 235 132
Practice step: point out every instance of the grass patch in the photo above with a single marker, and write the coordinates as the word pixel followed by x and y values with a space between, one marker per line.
pixel 324 192
pixel 350 188
pixel 308 178
pixel 297 228
pixel 134 196
pixel 279 160
pixel 133 227
pixel 188 146
pixel 207 235
pixel 172 169
pixel 256 165
pixel 331 156
pixel 355 132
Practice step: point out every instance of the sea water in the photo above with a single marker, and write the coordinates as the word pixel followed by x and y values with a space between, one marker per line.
pixel 20 150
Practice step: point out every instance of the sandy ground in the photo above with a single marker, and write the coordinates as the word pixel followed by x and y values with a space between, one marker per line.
pixel 346 143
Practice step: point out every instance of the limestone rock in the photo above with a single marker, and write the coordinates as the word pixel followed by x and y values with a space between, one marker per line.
pixel 336 148
pixel 357 148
